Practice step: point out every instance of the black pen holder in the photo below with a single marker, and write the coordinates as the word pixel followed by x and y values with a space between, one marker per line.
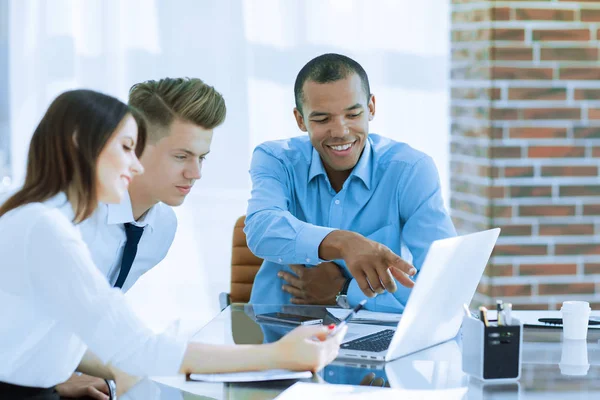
pixel 492 352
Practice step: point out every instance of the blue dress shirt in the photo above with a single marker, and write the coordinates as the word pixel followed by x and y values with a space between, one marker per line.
pixel 392 196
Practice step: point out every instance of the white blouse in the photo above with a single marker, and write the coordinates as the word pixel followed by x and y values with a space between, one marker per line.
pixel 54 303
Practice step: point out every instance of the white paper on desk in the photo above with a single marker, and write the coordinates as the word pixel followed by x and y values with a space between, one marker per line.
pixel 254 376
pixel 365 315
pixel 303 391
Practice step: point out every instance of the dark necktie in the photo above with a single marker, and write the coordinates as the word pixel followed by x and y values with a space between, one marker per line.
pixel 134 234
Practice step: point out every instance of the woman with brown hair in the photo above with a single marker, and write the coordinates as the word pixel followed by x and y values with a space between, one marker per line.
pixel 55 302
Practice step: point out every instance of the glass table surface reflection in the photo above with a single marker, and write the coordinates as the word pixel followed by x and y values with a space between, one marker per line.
pixel 551 368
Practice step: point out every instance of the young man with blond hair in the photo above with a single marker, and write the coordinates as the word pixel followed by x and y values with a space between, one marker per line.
pixel 127 240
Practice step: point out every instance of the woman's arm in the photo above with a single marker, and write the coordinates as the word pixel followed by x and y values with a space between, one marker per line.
pixel 306 348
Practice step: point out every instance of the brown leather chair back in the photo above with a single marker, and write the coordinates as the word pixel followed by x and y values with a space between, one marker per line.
pixel 244 265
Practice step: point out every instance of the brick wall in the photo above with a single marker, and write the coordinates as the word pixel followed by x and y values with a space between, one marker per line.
pixel 525 145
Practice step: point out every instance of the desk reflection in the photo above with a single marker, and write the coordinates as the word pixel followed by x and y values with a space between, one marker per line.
pixel 546 372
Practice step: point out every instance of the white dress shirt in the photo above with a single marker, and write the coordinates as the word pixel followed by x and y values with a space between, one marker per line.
pixel 55 303
pixel 104 233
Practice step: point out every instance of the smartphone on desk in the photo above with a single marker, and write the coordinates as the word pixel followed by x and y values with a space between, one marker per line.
pixel 291 319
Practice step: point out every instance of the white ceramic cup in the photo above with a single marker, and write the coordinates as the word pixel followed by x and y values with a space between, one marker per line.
pixel 575 316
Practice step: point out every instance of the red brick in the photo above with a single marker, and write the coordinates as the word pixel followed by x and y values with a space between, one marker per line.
pixel 580 190
pixel 587 94
pixel 569 54
pixel 519 307
pixel 547 269
pixel 518 172
pixel 512 54
pixel 505 34
pixel 510 290
pixel 500 270
pixel 596 152
pixel 546 211
pixel 590 15
pixel 591 209
pixel 505 152
pixel 516 73
pixel 537 133
pixel 501 212
pixel 475 93
pixel 516 230
pixel 552 113
pixel 504 114
pixel 592 268
pixel 496 192
pixel 577 249
pixel 531 191
pixel 580 73
pixel 556 151
pixel 500 14
pixel 480 131
pixel 561 34
pixel 566 288
pixel 520 250
pixel 594 113
pixel 570 171
pixel 537 93
pixel 538 14
pixel 588 132
pixel 566 229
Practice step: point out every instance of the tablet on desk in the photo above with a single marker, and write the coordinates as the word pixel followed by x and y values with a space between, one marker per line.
pixel 291 319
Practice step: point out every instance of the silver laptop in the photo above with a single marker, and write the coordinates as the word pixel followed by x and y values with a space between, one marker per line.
pixel 447 280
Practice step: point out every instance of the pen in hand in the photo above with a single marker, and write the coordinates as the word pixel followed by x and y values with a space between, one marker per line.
pixel 347 318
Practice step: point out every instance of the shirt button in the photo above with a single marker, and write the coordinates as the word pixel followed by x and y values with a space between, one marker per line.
pixel 280 260
pixel 337 202
pixel 308 260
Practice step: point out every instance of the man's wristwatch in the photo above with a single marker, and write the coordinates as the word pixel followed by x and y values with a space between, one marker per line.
pixel 342 297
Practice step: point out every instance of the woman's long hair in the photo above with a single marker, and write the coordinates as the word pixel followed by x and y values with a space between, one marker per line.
pixel 65 147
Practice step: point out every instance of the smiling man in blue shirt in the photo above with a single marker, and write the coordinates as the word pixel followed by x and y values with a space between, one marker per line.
pixel 330 211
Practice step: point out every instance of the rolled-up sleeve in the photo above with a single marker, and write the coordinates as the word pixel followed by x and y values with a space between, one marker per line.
pixel 70 288
pixel 272 232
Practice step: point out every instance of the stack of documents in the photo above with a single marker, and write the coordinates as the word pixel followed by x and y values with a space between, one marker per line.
pixel 303 391
pixel 366 317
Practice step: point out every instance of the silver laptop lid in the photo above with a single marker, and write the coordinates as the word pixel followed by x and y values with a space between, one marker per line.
pixel 448 278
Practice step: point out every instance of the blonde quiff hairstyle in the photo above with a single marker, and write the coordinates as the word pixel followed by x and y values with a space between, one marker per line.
pixel 189 99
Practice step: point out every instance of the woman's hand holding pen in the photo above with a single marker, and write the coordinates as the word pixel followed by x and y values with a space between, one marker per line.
pixel 299 351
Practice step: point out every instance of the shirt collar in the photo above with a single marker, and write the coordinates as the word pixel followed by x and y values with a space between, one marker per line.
pixel 362 169
pixel 122 213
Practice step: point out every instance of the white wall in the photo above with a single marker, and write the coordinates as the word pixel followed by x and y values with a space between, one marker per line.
pixel 251 51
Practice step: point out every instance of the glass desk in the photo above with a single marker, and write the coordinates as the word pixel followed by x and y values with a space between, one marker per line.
pixel 440 367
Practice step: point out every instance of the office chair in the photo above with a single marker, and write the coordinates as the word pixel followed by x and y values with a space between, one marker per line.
pixel 244 266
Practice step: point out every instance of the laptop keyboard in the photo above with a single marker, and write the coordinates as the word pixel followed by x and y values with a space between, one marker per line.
pixel 375 342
